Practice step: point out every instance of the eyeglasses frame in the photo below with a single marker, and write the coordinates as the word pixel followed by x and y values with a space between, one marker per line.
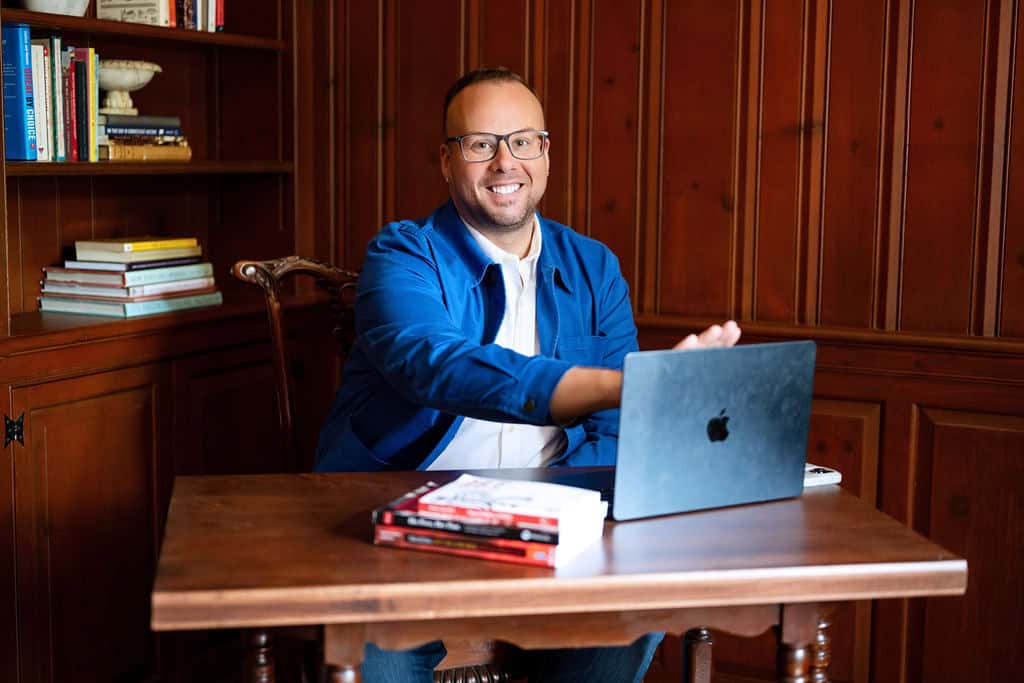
pixel 499 139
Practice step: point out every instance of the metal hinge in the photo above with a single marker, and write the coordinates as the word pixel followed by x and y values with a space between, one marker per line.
pixel 14 430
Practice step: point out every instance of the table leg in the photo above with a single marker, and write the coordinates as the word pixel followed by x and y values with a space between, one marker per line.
pixel 697 644
pixel 259 656
pixel 822 649
pixel 343 652
pixel 798 628
pixel 346 674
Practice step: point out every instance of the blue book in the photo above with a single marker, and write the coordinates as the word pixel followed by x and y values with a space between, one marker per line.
pixel 113 309
pixel 19 103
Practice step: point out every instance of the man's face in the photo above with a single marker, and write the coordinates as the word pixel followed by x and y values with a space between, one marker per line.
pixel 500 194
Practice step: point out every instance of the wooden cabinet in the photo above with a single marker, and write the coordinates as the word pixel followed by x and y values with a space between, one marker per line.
pixel 87 522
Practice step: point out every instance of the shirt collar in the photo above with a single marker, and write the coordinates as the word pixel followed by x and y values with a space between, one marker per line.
pixel 499 255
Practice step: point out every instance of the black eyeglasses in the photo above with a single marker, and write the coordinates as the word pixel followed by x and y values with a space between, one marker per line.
pixel 524 144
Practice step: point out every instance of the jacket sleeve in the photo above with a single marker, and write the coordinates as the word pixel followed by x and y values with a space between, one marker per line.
pixel 596 438
pixel 409 336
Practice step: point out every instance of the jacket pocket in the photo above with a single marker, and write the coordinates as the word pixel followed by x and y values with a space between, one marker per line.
pixel 585 350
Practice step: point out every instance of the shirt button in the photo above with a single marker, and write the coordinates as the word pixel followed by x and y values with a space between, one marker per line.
pixel 529 405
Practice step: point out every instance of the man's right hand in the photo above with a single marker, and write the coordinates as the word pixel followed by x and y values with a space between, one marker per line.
pixel 726 334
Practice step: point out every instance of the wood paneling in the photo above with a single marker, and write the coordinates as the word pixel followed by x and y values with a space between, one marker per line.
pixel 850 229
pixel 942 167
pixel 1011 302
pixel 698 131
pixel 613 130
pixel 87 523
pixel 969 500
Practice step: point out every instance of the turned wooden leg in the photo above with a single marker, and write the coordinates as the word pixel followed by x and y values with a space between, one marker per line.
pixel 796 631
pixel 259 656
pixel 342 674
pixel 697 656
pixel 822 648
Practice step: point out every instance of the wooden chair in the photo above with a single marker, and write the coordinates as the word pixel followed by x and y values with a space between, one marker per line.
pixel 340 286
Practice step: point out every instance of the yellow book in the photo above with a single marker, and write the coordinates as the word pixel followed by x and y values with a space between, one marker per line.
pixel 94 103
pixel 115 152
pixel 147 243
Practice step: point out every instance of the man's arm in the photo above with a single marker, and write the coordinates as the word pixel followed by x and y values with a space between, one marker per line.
pixel 583 391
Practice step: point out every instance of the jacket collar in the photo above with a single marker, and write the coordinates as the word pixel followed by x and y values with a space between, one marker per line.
pixel 448 223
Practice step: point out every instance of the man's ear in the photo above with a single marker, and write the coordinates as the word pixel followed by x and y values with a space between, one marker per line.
pixel 446 163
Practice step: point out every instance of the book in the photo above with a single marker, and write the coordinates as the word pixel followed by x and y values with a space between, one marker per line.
pixel 55 93
pixel 133 256
pixel 139 265
pixel 133 292
pixel 128 309
pixel 119 131
pixel 70 118
pixel 402 513
pixel 511 502
pixel 503 550
pixel 129 278
pixel 133 299
pixel 115 152
pixel 145 243
pixel 40 104
pixel 18 93
pixel 143 120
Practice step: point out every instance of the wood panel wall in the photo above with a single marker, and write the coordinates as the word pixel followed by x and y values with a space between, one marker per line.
pixel 844 170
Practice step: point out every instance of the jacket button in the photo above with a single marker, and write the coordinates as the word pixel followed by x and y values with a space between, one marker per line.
pixel 529 405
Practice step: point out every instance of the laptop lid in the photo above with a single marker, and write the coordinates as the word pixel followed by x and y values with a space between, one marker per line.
pixel 713 427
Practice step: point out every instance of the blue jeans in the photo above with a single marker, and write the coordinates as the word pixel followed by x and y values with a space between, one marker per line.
pixel 626 664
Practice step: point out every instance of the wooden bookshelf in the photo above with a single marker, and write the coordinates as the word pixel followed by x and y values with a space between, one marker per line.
pixel 110 410
pixel 137 32
pixel 23 169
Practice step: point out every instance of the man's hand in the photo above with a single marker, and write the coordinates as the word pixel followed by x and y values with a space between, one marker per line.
pixel 726 334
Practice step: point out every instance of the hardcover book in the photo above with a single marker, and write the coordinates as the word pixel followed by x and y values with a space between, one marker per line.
pixel 129 278
pixel 18 93
pixel 113 309
pixel 145 243
pixel 133 256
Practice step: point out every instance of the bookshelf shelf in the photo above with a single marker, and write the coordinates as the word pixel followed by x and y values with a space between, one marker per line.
pixel 91 26
pixel 115 168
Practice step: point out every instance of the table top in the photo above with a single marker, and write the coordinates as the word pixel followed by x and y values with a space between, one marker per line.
pixel 273 550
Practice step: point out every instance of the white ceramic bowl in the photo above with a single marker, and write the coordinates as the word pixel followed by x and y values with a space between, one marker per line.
pixel 126 74
pixel 74 8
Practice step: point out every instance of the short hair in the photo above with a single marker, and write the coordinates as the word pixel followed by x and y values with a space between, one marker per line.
pixel 498 74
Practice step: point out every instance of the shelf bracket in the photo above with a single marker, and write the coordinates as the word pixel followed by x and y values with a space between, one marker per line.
pixel 14 430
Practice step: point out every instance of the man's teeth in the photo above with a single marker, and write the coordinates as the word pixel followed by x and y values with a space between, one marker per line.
pixel 505 189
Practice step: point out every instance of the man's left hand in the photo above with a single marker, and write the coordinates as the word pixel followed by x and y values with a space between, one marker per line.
pixel 726 334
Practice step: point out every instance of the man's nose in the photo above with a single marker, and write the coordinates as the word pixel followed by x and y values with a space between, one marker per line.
pixel 503 155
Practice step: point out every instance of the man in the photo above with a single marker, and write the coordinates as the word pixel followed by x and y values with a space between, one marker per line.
pixel 490 337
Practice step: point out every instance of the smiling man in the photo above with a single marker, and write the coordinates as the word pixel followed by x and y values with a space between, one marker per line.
pixel 489 337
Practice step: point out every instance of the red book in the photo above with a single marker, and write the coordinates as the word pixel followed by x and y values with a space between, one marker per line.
pixel 503 550
pixel 72 106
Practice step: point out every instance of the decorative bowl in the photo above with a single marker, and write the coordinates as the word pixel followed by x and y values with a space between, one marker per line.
pixel 118 77
pixel 74 8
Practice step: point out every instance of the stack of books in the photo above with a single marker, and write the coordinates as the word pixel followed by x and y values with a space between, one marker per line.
pixel 198 15
pixel 142 138
pixel 125 278
pixel 525 522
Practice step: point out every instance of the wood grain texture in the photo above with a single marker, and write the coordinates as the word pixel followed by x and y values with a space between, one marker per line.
pixel 333 575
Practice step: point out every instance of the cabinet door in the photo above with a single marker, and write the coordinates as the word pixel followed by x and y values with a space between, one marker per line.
pixel 87 523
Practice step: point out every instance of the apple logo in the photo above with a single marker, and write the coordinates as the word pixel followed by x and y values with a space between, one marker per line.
pixel 718 429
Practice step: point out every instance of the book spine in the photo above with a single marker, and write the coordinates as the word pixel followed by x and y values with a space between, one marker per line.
pixel 487 516
pixel 171 286
pixel 19 101
pixel 146 152
pixel 39 105
pixel 518 552
pixel 94 103
pixel 57 96
pixel 220 15
pixel 410 520
pixel 146 277
pixel 141 130
pixel 174 304
pixel 141 245
pixel 82 103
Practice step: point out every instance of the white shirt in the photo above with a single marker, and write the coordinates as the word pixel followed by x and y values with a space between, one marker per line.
pixel 481 444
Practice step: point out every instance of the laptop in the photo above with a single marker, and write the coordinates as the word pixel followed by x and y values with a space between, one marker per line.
pixel 708 428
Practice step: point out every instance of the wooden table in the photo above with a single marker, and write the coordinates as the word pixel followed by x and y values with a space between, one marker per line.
pixel 275 550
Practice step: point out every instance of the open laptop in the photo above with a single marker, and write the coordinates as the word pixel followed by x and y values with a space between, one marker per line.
pixel 708 428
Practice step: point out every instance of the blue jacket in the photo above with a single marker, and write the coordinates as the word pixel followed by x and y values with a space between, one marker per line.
pixel 428 307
